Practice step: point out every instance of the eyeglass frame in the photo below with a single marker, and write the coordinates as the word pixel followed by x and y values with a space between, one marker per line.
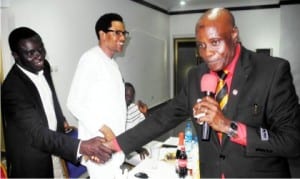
pixel 118 32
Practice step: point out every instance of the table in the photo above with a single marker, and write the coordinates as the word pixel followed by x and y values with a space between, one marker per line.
pixel 165 169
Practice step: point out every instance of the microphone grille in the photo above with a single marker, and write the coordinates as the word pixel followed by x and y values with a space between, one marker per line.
pixel 209 83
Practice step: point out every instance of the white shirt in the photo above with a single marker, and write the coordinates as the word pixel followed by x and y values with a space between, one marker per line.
pixel 97 97
pixel 45 93
pixel 134 116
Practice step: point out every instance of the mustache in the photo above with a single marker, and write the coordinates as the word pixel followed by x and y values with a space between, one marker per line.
pixel 213 60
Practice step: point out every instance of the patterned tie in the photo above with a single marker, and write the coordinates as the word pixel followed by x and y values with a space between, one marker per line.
pixel 222 94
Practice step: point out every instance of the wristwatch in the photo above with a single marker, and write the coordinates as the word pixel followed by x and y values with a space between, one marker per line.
pixel 232 131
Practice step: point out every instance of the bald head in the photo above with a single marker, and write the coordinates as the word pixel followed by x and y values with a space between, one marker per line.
pixel 218 17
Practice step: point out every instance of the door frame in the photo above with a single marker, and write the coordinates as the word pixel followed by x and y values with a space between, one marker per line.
pixel 177 42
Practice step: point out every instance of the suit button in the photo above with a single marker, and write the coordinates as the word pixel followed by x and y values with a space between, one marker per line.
pixel 222 156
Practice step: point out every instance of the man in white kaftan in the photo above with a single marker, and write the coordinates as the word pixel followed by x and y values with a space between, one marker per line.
pixel 97 92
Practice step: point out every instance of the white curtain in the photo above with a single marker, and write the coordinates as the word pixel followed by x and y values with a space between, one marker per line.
pixel 7 24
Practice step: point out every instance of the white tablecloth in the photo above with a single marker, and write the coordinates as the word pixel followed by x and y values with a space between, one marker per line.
pixel 164 169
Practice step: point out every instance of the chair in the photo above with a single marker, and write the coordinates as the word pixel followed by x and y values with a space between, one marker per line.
pixel 71 170
pixel 3 174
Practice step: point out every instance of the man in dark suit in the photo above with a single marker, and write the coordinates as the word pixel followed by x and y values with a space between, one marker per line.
pixel 33 119
pixel 259 126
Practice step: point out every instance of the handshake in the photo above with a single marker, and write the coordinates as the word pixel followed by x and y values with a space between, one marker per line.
pixel 98 149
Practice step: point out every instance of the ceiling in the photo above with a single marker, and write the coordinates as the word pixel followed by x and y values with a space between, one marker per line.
pixel 173 6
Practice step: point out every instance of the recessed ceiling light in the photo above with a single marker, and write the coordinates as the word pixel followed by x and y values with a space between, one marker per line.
pixel 182 3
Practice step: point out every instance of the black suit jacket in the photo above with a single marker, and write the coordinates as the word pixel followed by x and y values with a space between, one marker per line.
pixel 264 97
pixel 29 141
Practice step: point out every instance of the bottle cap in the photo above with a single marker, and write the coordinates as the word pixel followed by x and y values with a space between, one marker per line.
pixel 180 138
pixel 188 124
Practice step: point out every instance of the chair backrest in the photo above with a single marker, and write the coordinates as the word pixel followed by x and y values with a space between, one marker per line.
pixel 71 170
pixel 3 173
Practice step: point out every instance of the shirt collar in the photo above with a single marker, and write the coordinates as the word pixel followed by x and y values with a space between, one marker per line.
pixel 30 74
pixel 231 66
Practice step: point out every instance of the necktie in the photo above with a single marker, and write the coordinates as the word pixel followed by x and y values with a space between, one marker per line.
pixel 222 94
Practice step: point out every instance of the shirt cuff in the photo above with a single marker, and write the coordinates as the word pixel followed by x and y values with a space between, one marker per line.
pixel 241 137
pixel 116 145
pixel 78 154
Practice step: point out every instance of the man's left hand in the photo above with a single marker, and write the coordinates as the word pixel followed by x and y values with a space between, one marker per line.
pixel 143 153
pixel 213 114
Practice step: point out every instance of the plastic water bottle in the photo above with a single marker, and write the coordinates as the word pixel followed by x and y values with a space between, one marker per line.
pixel 188 137
pixel 188 143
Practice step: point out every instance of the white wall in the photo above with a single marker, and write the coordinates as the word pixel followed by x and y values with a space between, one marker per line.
pixel 67 29
pixel 290 40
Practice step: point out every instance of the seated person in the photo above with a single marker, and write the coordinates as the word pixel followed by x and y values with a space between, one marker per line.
pixel 136 112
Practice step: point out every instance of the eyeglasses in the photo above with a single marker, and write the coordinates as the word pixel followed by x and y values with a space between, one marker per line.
pixel 119 33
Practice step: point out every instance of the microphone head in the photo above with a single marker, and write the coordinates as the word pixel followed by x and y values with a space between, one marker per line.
pixel 209 83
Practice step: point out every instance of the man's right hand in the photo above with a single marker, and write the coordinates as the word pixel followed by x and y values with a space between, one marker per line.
pixel 142 107
pixel 95 150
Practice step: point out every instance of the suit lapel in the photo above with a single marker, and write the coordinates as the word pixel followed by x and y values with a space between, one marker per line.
pixel 242 72
pixel 240 77
pixel 32 88
pixel 33 91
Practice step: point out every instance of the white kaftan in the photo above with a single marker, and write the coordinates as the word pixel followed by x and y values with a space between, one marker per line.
pixel 97 97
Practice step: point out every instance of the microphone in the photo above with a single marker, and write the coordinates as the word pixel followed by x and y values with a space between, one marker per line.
pixel 208 86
